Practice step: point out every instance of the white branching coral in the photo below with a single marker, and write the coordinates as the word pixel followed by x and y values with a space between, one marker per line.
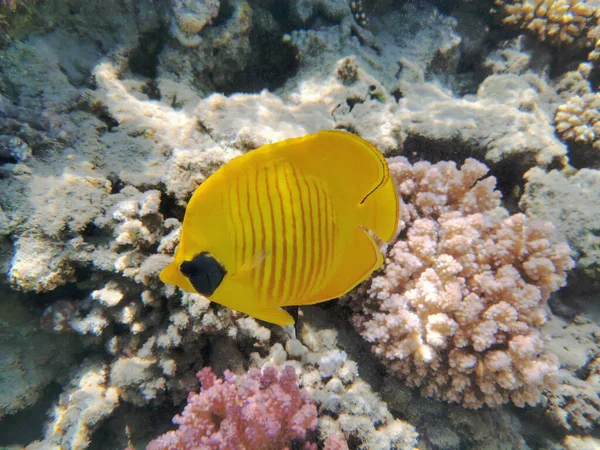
pixel 458 307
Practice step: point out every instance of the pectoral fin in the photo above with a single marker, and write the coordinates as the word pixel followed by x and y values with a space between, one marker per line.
pixel 248 267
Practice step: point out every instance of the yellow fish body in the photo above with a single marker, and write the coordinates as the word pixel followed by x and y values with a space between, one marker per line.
pixel 287 224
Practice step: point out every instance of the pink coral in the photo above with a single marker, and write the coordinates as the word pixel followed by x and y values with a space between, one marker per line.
pixel 458 307
pixel 254 411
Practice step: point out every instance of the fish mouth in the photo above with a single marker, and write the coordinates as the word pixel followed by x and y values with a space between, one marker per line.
pixel 205 273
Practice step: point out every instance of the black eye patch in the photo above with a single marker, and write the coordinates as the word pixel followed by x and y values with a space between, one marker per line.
pixel 204 272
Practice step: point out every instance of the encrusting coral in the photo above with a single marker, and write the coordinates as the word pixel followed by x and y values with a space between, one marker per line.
pixel 458 308
pixel 254 411
pixel 190 17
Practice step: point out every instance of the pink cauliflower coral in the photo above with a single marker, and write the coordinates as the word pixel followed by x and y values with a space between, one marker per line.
pixel 459 305
pixel 254 411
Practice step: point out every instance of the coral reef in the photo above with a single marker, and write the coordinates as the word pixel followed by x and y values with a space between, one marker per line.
pixel 257 410
pixel 559 21
pixel 85 212
pixel 189 19
pixel 458 308
pixel 451 426
pixel 579 118
pixel 112 113
pixel 335 365
pixel 503 102
pixel 303 11
pixel 234 52
pixel 581 443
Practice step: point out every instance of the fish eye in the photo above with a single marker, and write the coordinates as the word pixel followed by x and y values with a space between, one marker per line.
pixel 204 272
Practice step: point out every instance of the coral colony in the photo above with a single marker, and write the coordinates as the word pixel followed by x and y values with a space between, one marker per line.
pixel 257 410
pixel 458 309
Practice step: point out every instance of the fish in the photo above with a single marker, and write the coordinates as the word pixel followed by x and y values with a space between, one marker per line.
pixel 293 223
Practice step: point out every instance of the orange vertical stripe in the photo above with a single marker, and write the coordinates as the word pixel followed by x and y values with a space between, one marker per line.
pixel 242 222
pixel 310 243
pixel 252 234
pixel 302 239
pixel 319 236
pixel 263 243
pixel 294 257
pixel 272 273
pixel 330 242
pixel 321 202
pixel 332 234
pixel 284 252
pixel 230 203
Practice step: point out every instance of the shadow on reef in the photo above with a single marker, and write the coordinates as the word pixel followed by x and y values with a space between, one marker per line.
pixel 129 423
pixel 143 60
pixel 246 48
pixel 583 155
pixel 272 61
pixel 28 424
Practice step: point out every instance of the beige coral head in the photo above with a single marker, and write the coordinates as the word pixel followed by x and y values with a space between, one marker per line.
pixel 459 305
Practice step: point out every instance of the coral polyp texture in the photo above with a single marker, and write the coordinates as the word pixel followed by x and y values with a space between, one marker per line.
pixel 559 22
pixel 458 307
pixel 258 410
pixel 579 119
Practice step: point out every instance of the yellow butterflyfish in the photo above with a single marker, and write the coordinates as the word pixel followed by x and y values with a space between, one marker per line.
pixel 290 223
